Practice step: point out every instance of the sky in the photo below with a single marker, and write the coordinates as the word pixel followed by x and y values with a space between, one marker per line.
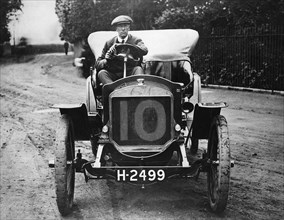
pixel 37 22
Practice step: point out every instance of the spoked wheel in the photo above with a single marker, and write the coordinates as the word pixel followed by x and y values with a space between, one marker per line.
pixel 64 167
pixel 218 176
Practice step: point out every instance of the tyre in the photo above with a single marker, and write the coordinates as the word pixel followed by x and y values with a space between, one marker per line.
pixel 64 168
pixel 218 175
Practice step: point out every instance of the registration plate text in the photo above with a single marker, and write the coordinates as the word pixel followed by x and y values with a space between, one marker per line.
pixel 140 175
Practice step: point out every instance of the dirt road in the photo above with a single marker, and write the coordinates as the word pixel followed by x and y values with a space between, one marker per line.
pixel 28 89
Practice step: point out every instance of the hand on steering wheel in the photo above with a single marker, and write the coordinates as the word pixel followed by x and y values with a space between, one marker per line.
pixel 110 54
pixel 128 51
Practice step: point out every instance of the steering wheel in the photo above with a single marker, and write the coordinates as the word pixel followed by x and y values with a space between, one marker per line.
pixel 128 52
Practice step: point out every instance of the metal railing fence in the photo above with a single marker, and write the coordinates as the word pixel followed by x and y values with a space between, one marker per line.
pixel 247 57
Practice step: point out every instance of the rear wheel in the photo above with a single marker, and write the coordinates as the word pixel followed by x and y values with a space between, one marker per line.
pixel 64 167
pixel 218 176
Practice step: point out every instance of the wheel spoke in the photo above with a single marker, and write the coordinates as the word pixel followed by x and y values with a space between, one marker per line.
pixel 69 176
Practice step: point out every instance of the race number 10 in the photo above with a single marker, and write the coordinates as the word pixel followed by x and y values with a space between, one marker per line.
pixel 148 120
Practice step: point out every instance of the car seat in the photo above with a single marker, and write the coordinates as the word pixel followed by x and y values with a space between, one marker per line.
pixel 175 71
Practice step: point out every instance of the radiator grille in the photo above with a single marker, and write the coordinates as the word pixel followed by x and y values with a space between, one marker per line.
pixel 140 120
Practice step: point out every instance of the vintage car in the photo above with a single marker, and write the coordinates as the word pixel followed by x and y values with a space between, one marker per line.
pixel 144 129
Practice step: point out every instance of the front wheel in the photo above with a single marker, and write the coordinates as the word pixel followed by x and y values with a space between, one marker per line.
pixel 64 167
pixel 218 176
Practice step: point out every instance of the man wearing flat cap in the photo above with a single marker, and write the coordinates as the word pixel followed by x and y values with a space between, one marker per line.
pixel 110 69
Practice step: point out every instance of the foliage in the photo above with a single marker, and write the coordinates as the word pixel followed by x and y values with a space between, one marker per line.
pixel 7 9
pixel 179 14
pixel 75 17
pixel 203 15
pixel 80 18
pixel 251 13
pixel 104 12
pixel 245 56
pixel 237 45
pixel 145 12
pixel 217 21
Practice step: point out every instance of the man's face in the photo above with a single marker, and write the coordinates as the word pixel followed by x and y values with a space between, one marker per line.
pixel 122 30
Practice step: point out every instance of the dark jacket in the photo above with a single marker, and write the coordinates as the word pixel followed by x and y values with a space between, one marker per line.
pixel 102 63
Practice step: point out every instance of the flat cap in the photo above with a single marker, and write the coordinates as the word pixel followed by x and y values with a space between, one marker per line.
pixel 122 19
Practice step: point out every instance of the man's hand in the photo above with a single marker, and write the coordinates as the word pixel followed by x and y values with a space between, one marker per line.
pixel 111 52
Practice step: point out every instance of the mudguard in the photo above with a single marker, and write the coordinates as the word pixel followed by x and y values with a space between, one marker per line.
pixel 196 98
pixel 202 118
pixel 90 96
pixel 79 116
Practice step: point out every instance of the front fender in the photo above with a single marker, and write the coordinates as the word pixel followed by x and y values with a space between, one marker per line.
pixel 202 118
pixel 79 116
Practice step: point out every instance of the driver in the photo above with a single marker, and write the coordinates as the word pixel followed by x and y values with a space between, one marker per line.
pixel 110 69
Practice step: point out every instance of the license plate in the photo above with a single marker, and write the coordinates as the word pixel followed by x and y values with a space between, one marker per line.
pixel 140 175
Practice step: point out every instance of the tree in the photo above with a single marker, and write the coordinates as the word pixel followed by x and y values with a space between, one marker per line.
pixel 207 14
pixel 80 18
pixel 144 13
pixel 75 17
pixel 7 9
